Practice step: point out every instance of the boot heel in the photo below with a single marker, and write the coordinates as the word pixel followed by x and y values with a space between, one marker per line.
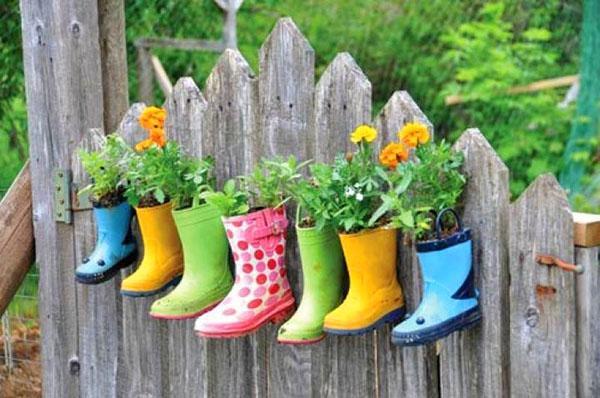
pixel 283 315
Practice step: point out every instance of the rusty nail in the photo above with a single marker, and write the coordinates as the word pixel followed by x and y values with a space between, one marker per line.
pixel 546 259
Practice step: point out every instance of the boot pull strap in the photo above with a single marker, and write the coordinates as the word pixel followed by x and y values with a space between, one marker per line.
pixel 195 201
pixel 270 227
pixel 298 212
pixel 439 218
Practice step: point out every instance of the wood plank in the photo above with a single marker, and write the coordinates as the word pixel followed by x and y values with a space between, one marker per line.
pixel 147 43
pixel 342 102
pixel 475 363
pixel 231 121
pixel 99 306
pixel 186 353
pixel 542 298
pixel 145 75
pixel 16 236
pixel 161 76
pixel 143 360
pixel 587 229
pixel 286 87
pixel 63 80
pixel 588 323
pixel 412 372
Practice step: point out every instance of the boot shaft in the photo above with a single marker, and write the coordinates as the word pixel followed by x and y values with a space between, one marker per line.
pixel 113 223
pixel 204 242
pixel 448 263
pixel 159 233
pixel 371 258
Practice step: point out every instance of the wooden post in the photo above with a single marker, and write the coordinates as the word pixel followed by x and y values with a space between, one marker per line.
pixel 230 7
pixel 63 79
pixel 145 75
pixel 16 236
pixel 542 298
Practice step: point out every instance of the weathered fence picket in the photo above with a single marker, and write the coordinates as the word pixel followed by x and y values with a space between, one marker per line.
pixel 533 340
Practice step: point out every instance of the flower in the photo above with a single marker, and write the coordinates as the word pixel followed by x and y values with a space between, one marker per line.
pixel 413 134
pixel 349 192
pixel 393 153
pixel 363 132
pixel 359 197
pixel 152 119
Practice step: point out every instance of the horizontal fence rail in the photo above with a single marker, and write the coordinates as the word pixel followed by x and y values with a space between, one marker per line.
pixel 540 330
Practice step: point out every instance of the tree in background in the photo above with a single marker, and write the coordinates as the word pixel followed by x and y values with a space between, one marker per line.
pixel 583 142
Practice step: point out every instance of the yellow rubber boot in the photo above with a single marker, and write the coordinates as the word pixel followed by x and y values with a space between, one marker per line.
pixel 375 296
pixel 162 265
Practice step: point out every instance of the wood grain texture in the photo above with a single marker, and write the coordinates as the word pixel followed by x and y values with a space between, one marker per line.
pixel 542 298
pixel 186 352
pixel 231 122
pixel 61 56
pixel 342 102
pixel 474 363
pixel 286 87
pixel 399 110
pixel 143 360
pixel 412 372
pixel 16 236
pixel 588 323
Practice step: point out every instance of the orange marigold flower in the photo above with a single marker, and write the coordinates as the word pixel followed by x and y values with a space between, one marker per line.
pixel 393 153
pixel 413 134
pixel 152 119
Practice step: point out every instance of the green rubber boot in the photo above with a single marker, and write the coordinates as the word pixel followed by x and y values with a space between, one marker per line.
pixel 206 276
pixel 322 268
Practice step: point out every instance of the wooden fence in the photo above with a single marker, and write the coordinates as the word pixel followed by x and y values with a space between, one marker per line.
pixel 540 334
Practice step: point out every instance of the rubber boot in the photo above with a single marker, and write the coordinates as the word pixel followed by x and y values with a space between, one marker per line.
pixel 261 292
pixel 374 297
pixel 162 265
pixel 322 270
pixel 450 300
pixel 206 276
pixel 115 246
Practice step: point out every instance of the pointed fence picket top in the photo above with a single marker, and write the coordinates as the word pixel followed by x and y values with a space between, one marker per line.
pixel 542 298
pixel 474 363
pixel 588 323
pixel 231 116
pixel 408 371
pixel 399 110
pixel 140 369
pixel 286 88
pixel 185 117
pixel 342 102
pixel 99 306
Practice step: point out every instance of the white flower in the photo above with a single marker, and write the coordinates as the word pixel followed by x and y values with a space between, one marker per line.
pixel 349 192
pixel 359 197
pixel 357 185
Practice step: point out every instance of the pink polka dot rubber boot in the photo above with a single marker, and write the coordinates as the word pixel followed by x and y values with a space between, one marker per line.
pixel 261 292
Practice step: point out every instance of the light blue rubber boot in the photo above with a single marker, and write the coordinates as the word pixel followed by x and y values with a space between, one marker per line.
pixel 115 246
pixel 450 300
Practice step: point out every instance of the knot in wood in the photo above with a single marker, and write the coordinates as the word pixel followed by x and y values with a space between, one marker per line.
pixel 74 366
pixel 75 28
pixel 532 316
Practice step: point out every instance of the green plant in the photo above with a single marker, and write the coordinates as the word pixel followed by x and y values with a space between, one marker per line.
pixel 268 183
pixel 230 201
pixel 157 175
pixel 421 188
pixel 105 166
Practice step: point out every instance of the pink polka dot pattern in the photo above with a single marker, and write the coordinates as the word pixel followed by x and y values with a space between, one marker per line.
pixel 261 280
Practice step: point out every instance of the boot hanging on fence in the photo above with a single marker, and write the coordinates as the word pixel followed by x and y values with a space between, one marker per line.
pixel 261 292
pixel 206 276
pixel 322 270
pixel 450 300
pixel 115 245
pixel 162 265
pixel 375 297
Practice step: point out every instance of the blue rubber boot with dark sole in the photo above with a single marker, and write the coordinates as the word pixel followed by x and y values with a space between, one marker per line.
pixel 115 246
pixel 450 300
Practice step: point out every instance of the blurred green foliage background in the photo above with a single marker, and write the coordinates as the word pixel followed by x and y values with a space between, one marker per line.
pixel 430 48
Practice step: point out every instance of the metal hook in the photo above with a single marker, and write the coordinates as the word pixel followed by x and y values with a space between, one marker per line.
pixel 547 259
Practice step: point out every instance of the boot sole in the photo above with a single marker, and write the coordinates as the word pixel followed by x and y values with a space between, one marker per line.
pixel 110 273
pixel 431 334
pixel 391 317
pixel 133 293
pixel 301 341
pixel 279 315
pixel 185 316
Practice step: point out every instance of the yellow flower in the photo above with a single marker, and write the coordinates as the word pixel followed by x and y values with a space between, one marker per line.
pixel 363 132
pixel 393 153
pixel 413 134
pixel 152 120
